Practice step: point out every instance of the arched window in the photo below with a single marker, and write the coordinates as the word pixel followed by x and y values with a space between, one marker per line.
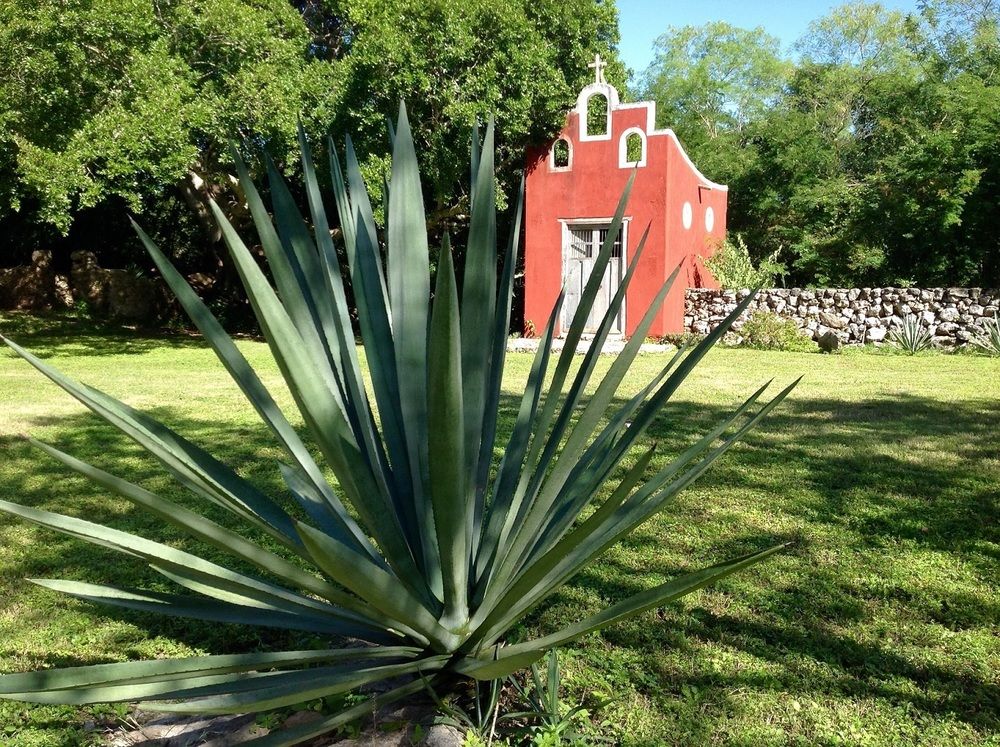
pixel 561 154
pixel 597 115
pixel 632 148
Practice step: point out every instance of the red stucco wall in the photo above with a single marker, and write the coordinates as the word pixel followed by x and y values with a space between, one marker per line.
pixel 591 188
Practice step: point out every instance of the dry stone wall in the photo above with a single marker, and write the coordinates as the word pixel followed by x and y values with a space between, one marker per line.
pixel 28 287
pixel 109 292
pixel 856 316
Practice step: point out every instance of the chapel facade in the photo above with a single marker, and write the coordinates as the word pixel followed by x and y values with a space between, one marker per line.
pixel 572 188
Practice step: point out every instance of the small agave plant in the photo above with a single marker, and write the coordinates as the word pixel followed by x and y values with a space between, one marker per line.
pixel 911 336
pixel 988 340
pixel 443 553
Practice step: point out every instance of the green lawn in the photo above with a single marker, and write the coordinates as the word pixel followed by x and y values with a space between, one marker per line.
pixel 880 626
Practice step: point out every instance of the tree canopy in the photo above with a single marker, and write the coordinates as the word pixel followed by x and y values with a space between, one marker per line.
pixel 870 158
pixel 132 105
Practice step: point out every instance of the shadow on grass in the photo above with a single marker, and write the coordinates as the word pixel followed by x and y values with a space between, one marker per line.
pixel 854 482
pixel 62 333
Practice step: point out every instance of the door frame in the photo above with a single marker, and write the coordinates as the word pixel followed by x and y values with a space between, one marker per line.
pixel 566 225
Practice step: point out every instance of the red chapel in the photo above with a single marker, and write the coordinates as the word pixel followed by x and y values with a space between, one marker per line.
pixel 571 191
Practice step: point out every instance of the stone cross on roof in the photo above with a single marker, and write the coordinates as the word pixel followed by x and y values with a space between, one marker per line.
pixel 598 64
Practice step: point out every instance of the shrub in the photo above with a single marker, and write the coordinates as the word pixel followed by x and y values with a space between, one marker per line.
pixel 443 553
pixel 911 336
pixel 767 331
pixel 732 267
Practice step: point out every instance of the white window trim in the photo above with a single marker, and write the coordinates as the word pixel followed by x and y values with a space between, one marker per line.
pixel 552 155
pixel 623 162
pixel 584 134
pixel 611 94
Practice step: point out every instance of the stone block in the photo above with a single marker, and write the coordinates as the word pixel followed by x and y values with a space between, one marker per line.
pixel 832 320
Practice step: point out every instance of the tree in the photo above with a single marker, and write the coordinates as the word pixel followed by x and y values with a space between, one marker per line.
pixel 711 81
pixel 126 99
pixel 456 63
pixel 875 154
pixel 873 161
pixel 129 100
pixel 711 84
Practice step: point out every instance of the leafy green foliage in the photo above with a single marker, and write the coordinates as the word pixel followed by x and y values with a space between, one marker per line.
pixel 108 107
pixel 765 330
pixel 732 266
pixel 442 552
pixel 549 721
pixel 458 63
pixel 123 99
pixel 911 336
pixel 872 160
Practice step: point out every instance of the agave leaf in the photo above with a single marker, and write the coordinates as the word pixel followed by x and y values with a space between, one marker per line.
pixel 380 589
pixel 374 315
pixel 533 511
pixel 448 477
pixel 479 303
pixel 135 672
pixel 544 419
pixel 212 610
pixel 496 668
pixel 318 406
pixel 497 360
pixel 506 492
pixel 244 375
pixel 345 352
pixel 191 466
pixel 596 465
pixel 213 681
pixel 364 217
pixel 409 288
pixel 596 462
pixel 604 528
pixel 118 693
pixel 267 595
pixel 285 259
pixel 543 575
pixel 410 507
pixel 579 321
pixel 643 601
pixel 201 528
pixel 540 570
pixel 475 156
pixel 342 201
pixel 598 403
pixel 409 294
pixel 289 688
pixel 301 282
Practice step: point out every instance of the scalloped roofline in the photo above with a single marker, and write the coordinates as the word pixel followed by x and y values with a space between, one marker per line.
pixel 614 104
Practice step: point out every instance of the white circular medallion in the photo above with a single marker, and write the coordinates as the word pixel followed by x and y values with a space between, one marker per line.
pixel 709 219
pixel 686 215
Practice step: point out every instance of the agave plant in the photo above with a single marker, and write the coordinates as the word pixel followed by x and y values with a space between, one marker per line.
pixel 443 552
pixel 911 336
pixel 989 339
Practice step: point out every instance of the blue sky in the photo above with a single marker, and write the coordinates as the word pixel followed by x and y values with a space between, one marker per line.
pixel 641 21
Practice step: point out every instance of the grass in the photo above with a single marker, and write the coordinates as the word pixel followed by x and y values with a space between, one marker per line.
pixel 878 628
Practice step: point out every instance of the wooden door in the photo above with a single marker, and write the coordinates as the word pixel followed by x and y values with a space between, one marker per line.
pixel 583 245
